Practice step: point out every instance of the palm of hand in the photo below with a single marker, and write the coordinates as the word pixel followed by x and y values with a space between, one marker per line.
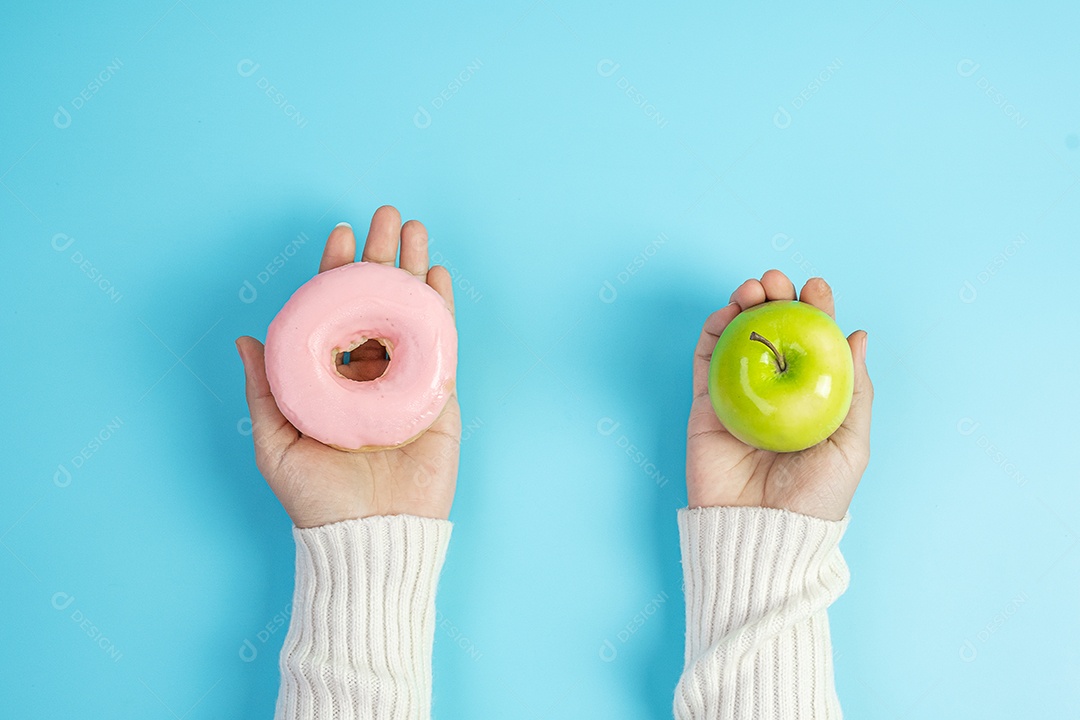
pixel 722 470
pixel 318 484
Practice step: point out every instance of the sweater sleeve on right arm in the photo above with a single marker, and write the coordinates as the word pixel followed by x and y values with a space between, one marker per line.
pixel 757 583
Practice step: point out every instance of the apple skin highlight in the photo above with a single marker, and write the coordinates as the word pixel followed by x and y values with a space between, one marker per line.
pixel 789 409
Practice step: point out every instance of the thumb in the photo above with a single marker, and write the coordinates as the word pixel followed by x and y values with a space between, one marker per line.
pixel 271 431
pixel 855 432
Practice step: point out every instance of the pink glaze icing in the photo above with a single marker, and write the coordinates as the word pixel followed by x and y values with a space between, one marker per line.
pixel 338 310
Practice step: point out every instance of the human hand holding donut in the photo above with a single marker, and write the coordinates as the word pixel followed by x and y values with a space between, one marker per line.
pixel 722 470
pixel 318 484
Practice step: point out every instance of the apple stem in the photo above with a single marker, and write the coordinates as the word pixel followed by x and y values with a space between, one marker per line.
pixel 781 364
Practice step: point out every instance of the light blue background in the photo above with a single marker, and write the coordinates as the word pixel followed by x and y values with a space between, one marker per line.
pixel 857 142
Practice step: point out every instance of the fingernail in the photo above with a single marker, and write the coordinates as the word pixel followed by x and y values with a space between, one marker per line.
pixel 865 339
pixel 343 224
pixel 236 342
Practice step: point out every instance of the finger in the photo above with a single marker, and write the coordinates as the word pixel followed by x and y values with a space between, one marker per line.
pixel 340 248
pixel 414 248
pixel 777 285
pixel 382 240
pixel 817 292
pixel 855 432
pixel 269 428
pixel 710 333
pixel 749 294
pixel 439 279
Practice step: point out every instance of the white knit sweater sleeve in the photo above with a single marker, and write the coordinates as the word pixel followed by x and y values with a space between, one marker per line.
pixel 360 640
pixel 757 584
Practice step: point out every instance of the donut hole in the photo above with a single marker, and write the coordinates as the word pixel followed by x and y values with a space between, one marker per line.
pixel 363 361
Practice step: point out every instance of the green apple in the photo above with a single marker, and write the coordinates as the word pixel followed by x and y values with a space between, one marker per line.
pixel 781 376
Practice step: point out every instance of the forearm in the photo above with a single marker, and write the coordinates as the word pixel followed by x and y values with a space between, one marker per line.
pixel 757 583
pixel 360 640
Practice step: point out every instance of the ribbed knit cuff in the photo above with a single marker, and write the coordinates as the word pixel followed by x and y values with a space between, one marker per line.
pixel 360 639
pixel 757 584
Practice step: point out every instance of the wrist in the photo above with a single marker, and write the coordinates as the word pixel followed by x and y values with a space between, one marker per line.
pixel 311 511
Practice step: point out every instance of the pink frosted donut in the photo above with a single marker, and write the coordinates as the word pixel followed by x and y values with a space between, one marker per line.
pixel 339 310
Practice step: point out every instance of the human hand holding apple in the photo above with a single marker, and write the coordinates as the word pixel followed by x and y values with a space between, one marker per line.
pixel 819 480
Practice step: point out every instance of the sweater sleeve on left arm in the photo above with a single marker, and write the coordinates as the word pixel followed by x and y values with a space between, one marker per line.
pixel 360 640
